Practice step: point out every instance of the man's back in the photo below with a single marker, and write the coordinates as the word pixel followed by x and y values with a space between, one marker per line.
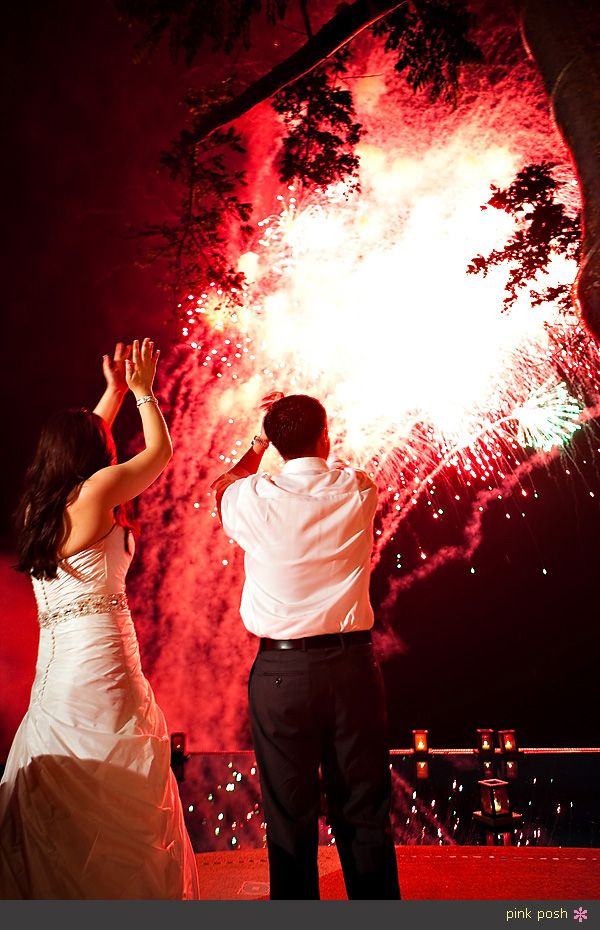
pixel 307 538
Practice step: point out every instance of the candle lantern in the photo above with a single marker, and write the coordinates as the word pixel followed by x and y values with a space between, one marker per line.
pixel 494 797
pixel 420 741
pixel 510 768
pixel 485 741
pixel 495 804
pixel 178 755
pixel 508 742
pixel 178 745
pixel 422 768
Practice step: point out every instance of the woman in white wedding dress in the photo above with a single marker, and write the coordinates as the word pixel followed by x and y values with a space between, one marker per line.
pixel 89 806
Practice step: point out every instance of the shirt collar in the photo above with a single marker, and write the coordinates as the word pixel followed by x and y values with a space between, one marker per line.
pixel 304 465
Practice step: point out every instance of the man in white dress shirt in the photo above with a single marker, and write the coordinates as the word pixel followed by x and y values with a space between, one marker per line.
pixel 317 705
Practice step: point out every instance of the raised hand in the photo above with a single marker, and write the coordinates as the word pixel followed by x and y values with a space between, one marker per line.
pixel 265 405
pixel 140 368
pixel 114 368
pixel 269 399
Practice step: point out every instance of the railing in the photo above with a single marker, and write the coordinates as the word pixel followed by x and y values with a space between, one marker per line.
pixel 435 795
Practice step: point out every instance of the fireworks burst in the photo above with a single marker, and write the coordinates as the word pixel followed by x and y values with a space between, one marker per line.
pixel 364 301
pixel 548 418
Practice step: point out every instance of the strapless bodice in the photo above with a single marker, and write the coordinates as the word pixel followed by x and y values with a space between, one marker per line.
pixel 99 571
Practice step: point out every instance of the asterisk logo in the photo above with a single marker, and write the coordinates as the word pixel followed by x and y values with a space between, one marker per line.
pixel 580 914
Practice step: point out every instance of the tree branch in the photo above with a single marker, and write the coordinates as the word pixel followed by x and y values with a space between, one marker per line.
pixel 341 29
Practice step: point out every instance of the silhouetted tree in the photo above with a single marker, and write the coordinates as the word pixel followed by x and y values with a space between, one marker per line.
pixel 432 43
pixel 563 37
pixel 544 225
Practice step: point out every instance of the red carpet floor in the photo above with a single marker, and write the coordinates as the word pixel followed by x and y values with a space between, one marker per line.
pixel 429 873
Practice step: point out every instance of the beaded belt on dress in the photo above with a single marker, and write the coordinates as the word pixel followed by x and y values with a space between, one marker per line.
pixel 91 604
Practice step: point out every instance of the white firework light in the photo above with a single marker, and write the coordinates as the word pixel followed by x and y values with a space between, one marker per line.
pixel 362 300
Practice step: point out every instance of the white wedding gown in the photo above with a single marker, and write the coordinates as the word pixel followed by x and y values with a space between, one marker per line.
pixel 89 806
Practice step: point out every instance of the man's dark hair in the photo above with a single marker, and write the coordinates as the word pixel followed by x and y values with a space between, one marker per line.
pixel 294 424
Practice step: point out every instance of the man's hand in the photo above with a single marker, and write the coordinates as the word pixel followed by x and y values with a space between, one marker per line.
pixel 248 464
pixel 269 399
pixel 265 405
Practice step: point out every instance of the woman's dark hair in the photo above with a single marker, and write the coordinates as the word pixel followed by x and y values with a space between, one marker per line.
pixel 294 424
pixel 73 445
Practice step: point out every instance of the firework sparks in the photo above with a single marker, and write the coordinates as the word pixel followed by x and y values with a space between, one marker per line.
pixel 364 301
pixel 548 418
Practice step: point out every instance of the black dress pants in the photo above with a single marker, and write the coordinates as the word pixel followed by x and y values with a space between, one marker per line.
pixel 319 722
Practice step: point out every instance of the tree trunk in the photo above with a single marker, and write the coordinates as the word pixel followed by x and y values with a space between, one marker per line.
pixel 563 38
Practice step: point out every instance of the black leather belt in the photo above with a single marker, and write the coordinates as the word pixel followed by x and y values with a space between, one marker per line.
pixel 325 641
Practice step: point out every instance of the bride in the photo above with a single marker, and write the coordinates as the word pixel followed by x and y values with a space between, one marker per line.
pixel 89 806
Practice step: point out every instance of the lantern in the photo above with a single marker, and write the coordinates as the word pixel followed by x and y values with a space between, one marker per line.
pixel 495 804
pixel 422 768
pixel 487 767
pixel 508 742
pixel 510 768
pixel 420 741
pixel 178 755
pixel 485 741
pixel 494 797
pixel 178 745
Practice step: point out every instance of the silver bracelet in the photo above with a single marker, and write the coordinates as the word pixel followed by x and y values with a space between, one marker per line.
pixel 147 399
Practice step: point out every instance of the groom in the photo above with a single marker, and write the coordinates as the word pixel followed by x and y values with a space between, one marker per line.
pixel 317 706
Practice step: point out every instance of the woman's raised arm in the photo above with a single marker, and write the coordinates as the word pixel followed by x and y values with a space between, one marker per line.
pixel 120 483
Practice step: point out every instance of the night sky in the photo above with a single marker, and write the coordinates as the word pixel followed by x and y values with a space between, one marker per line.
pixel 513 645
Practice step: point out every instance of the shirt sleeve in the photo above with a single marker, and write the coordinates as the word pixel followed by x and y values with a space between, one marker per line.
pixel 366 486
pixel 229 504
pixel 368 492
pixel 221 483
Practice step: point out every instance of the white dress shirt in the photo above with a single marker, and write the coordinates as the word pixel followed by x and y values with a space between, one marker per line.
pixel 307 535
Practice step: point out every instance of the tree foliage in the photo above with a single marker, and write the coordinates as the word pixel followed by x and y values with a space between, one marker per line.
pixel 431 41
pixel 432 44
pixel 321 127
pixel 194 245
pixel 545 229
